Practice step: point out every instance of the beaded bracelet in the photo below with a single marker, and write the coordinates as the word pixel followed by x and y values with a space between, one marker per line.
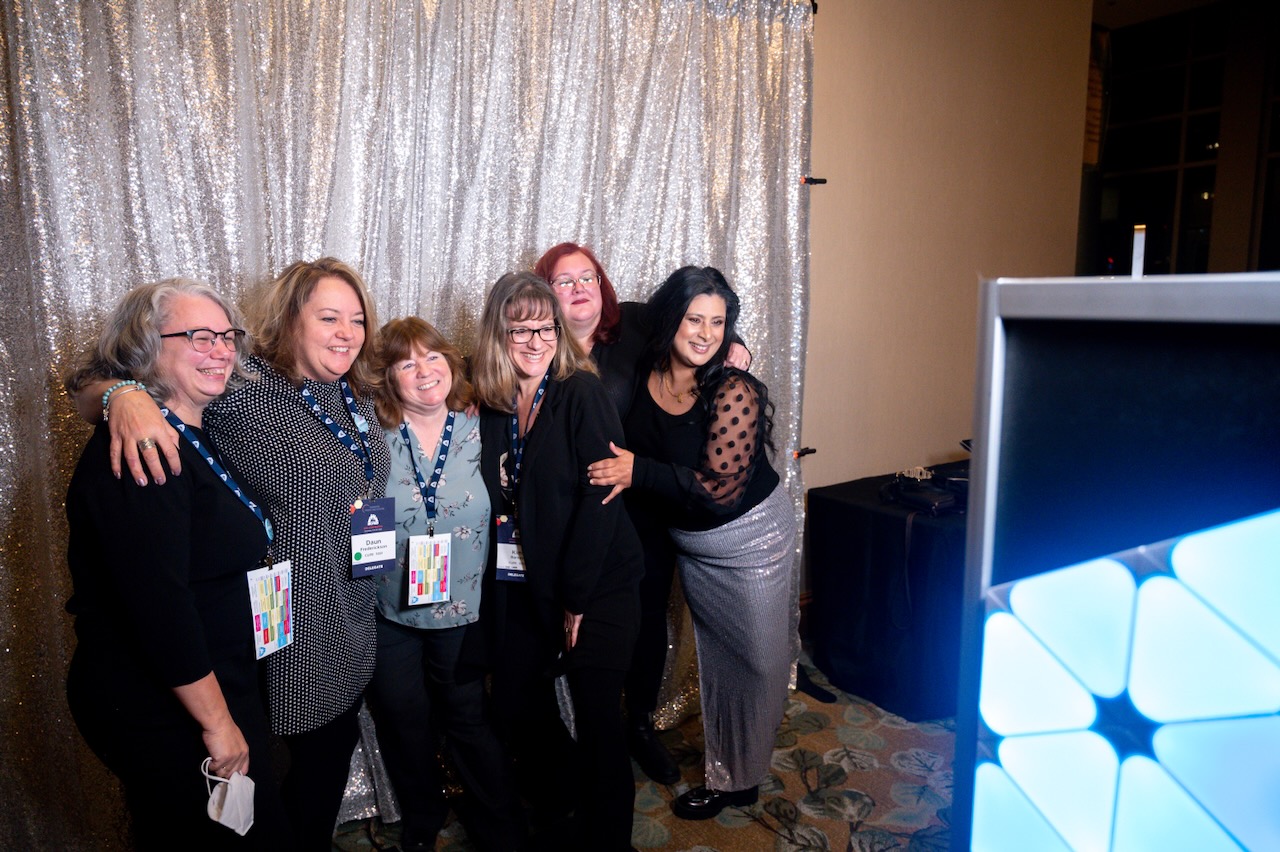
pixel 127 385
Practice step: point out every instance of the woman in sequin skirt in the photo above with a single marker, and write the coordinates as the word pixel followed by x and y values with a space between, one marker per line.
pixel 698 432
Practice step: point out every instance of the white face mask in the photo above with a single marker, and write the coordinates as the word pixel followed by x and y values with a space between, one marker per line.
pixel 230 799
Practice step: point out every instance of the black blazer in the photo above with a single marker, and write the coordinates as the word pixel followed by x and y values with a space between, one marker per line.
pixel 580 555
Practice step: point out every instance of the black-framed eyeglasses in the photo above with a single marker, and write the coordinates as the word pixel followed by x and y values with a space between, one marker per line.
pixel 588 279
pixel 547 333
pixel 202 339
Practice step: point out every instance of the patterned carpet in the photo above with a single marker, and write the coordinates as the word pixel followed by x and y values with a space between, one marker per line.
pixel 846 777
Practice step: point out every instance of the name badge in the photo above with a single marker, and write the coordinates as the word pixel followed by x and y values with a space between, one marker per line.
pixel 373 537
pixel 428 569
pixel 271 599
pixel 510 565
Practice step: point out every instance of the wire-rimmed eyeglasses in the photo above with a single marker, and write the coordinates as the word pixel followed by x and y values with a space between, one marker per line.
pixel 587 279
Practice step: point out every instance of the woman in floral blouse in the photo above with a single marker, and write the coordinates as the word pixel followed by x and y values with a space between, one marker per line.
pixel 426 604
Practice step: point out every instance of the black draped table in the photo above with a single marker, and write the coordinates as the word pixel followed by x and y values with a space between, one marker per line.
pixel 887 585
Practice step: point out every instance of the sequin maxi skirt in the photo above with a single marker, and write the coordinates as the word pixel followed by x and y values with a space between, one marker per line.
pixel 737 580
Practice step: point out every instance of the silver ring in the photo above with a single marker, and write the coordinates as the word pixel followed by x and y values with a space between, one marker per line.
pixel 146 444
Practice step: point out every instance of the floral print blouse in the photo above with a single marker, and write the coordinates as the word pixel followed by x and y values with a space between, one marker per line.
pixel 462 510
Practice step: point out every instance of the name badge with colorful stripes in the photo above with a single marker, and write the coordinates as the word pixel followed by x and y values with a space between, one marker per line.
pixel 428 569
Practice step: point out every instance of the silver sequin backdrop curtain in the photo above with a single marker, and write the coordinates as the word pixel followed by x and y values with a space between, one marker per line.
pixel 433 143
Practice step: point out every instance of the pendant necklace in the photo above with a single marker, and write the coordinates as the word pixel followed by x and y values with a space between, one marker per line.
pixel 670 385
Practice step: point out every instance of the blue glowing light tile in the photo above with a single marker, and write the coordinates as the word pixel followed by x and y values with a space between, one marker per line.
pixel 1232 767
pixel 1071 779
pixel 1154 814
pixel 1236 568
pixel 1024 689
pixel 1004 820
pixel 1084 616
pixel 1190 664
pixel 1186 754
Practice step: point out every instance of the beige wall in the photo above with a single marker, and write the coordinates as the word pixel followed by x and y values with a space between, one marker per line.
pixel 951 136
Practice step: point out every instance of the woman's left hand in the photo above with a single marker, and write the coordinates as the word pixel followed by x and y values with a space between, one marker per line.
pixel 738 357
pixel 227 746
pixel 571 624
pixel 615 471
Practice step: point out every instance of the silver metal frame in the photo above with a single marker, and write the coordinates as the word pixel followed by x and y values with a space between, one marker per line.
pixel 1244 298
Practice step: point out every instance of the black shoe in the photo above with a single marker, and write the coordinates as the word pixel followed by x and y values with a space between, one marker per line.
pixel 653 757
pixel 412 845
pixel 703 803
pixel 549 833
pixel 416 835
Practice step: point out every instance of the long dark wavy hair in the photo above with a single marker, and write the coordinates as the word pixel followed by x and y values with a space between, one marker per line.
pixel 667 308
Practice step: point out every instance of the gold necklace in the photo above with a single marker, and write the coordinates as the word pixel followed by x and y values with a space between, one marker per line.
pixel 669 385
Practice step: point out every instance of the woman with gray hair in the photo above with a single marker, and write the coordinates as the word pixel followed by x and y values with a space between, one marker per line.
pixel 164 677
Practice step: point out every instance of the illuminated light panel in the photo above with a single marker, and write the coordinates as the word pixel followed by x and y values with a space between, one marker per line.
pixel 1083 614
pixel 1232 766
pixel 1071 779
pixel 1190 664
pixel 1196 728
pixel 1236 569
pixel 1024 689
pixel 1004 820
pixel 1154 814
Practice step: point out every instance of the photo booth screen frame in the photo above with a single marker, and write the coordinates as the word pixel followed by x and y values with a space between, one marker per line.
pixel 1111 414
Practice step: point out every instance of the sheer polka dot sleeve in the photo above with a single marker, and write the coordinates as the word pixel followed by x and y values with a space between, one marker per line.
pixel 734 441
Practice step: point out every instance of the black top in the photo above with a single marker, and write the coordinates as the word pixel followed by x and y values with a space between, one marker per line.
pixel 579 553
pixel 160 597
pixel 708 466
pixel 620 361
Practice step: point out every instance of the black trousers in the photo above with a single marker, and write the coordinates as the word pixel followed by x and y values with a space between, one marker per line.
pixel 644 680
pixel 415 697
pixel 319 764
pixel 606 791
pixel 591 777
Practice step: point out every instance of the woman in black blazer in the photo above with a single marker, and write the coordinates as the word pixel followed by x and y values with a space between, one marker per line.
pixel 564 589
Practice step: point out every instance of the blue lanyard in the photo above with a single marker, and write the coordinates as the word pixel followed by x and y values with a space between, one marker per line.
pixel 218 470
pixel 517 443
pixel 428 490
pixel 361 449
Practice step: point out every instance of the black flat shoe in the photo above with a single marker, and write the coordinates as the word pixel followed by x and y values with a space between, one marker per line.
pixel 702 803
pixel 654 759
